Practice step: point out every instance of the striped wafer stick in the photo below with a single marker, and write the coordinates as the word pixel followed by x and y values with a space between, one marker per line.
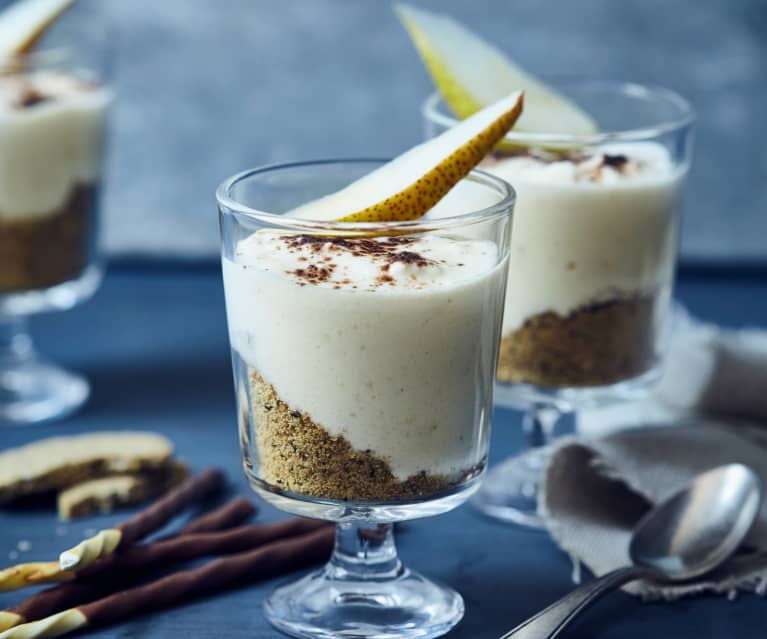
pixel 52 600
pixel 105 542
pixel 273 558
pixel 123 569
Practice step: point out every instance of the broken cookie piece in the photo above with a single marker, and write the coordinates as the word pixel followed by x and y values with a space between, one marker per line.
pixel 59 462
pixel 105 494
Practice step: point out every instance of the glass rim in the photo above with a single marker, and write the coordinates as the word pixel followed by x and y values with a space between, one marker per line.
pixel 431 112
pixel 501 208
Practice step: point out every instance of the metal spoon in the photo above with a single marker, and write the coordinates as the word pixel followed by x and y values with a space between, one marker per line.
pixel 689 534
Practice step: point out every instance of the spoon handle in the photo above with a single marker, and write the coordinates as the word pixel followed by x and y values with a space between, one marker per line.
pixel 550 621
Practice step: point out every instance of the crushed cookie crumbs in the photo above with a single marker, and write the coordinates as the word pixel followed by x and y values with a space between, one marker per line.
pixel 599 344
pixel 65 236
pixel 301 456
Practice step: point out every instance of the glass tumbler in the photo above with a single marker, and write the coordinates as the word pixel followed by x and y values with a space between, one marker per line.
pixel 52 128
pixel 364 357
pixel 591 266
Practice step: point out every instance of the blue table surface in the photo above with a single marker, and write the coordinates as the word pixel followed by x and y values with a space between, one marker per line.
pixel 153 342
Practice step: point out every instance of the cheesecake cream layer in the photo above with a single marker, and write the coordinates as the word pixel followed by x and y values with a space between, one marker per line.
pixel 589 229
pixel 51 138
pixel 387 342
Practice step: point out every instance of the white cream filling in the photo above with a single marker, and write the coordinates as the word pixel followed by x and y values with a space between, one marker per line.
pixel 48 148
pixel 585 233
pixel 402 369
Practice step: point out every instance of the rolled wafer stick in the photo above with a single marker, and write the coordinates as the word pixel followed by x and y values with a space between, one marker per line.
pixel 105 542
pixel 232 513
pixel 54 599
pixel 191 546
pixel 120 569
pixel 273 558
pixel 41 572
pixel 9 619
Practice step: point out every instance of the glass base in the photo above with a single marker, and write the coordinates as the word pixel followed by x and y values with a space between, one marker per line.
pixel 38 391
pixel 369 512
pixel 324 606
pixel 510 490
pixel 60 297
pixel 568 399
pixel 31 389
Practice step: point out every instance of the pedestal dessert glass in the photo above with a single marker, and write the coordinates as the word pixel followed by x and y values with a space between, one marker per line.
pixel 364 358
pixel 53 108
pixel 591 266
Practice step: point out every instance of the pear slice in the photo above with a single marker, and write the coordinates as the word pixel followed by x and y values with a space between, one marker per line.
pixel 24 23
pixel 470 73
pixel 411 184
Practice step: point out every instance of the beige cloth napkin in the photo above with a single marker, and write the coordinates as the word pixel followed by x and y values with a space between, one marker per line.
pixel 599 484
pixel 708 371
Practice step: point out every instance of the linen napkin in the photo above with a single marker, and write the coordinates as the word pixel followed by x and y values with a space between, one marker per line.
pixel 709 409
pixel 707 371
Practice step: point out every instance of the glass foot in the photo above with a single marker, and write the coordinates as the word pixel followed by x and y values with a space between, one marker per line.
pixel 37 391
pixel 510 490
pixel 364 591
pixel 322 606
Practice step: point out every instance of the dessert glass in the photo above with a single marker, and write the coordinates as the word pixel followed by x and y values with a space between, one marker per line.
pixel 591 266
pixel 364 359
pixel 53 109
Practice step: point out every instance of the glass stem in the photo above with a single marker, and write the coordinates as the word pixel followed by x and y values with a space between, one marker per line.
pixel 539 424
pixel 15 342
pixel 364 552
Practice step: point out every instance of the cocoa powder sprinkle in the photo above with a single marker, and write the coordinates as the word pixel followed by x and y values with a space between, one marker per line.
pixel 388 251
pixel 31 97
pixel 314 274
pixel 615 161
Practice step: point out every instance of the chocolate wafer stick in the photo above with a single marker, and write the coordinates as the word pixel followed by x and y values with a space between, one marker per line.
pixel 191 546
pixel 273 558
pixel 106 541
pixel 54 599
pixel 111 573
pixel 232 513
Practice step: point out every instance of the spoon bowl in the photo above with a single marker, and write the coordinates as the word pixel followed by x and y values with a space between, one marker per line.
pixel 695 530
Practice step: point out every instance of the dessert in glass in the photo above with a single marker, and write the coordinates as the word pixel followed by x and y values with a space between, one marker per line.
pixel 53 109
pixel 591 264
pixel 599 169
pixel 364 356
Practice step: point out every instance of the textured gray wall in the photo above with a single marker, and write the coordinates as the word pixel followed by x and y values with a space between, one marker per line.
pixel 209 88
